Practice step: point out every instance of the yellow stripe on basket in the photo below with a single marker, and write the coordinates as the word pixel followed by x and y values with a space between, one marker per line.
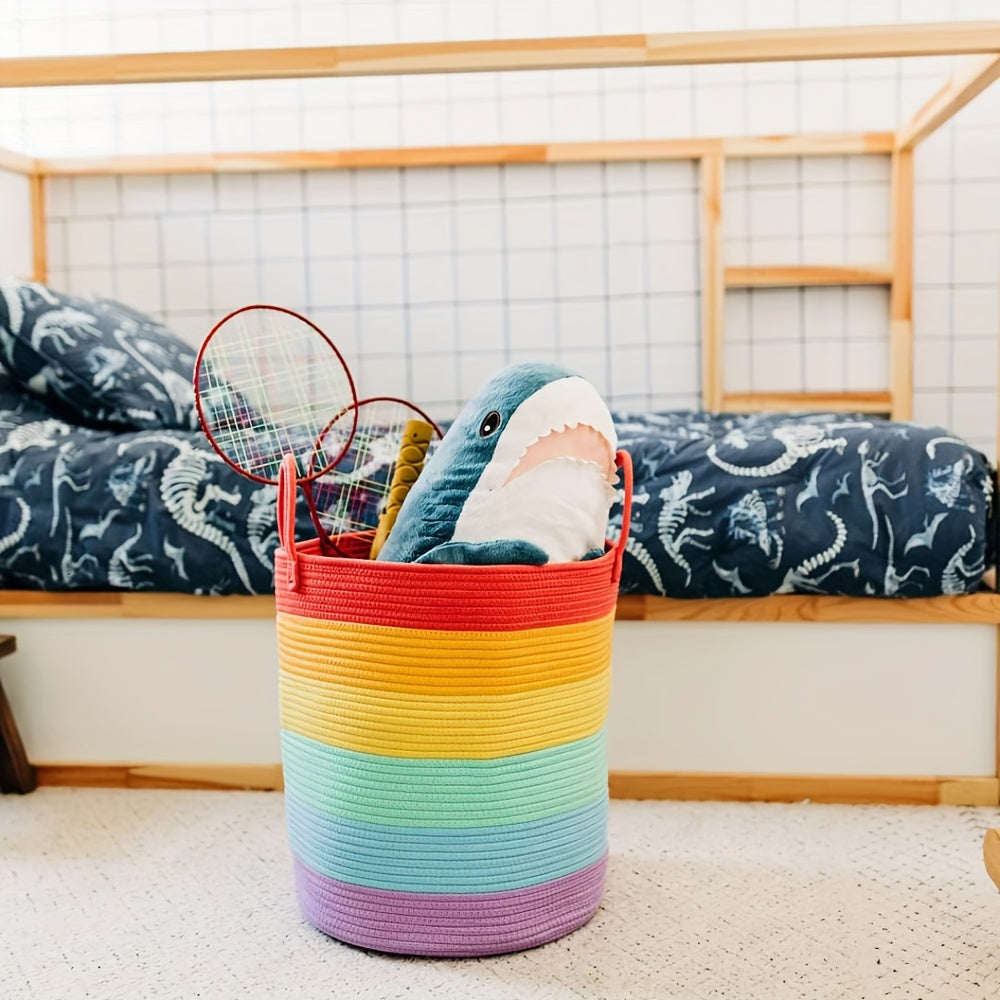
pixel 419 661
pixel 463 726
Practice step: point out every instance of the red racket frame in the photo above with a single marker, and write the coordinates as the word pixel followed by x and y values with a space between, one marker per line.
pixel 327 540
pixel 306 480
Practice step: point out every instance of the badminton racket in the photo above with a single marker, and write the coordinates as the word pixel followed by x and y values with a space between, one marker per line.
pixel 268 382
pixel 383 459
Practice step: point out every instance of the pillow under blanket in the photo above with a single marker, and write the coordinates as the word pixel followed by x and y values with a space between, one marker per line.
pixel 745 505
pixel 96 359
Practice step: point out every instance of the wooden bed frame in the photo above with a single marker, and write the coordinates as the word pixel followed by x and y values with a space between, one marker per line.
pixel 977 43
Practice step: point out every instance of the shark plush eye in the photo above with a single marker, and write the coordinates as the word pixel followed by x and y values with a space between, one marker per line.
pixel 490 424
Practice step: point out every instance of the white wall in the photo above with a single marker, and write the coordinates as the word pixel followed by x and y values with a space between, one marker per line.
pixel 454 272
pixel 803 697
pixel 793 698
pixel 443 109
pixel 15 223
pixel 461 270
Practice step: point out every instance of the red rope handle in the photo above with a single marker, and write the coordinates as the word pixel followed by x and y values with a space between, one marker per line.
pixel 286 517
pixel 623 460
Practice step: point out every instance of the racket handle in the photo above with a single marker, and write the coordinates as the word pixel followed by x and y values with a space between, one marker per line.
pixel 409 462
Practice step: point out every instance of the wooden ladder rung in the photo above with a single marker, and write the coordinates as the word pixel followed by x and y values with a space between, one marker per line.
pixel 798 275
pixel 837 402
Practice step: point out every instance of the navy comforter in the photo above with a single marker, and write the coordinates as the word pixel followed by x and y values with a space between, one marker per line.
pixel 91 509
pixel 723 506
pixel 820 503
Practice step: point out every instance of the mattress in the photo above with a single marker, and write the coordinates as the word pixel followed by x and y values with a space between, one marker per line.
pixel 723 506
pixel 758 504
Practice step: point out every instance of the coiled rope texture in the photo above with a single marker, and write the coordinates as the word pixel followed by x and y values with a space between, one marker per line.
pixel 443 747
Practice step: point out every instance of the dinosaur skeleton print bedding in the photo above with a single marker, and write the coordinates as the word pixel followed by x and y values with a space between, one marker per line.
pixel 760 504
pixel 723 506
pixel 105 482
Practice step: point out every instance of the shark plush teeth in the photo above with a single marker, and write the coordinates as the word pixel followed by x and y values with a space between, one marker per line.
pixel 524 475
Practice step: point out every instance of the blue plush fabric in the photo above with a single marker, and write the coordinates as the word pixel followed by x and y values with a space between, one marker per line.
pixel 96 360
pixel 427 519
pixel 515 407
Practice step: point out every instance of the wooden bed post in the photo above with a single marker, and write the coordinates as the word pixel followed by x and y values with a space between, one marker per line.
pixel 16 773
pixel 39 244
pixel 713 288
pixel 973 75
pixel 901 292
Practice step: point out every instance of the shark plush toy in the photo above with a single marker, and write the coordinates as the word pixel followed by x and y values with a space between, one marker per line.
pixel 524 475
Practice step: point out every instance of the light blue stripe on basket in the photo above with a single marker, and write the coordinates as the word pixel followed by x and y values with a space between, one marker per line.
pixel 421 859
pixel 409 791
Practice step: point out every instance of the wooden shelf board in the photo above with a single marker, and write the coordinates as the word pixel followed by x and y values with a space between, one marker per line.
pixel 684 786
pixel 832 788
pixel 836 402
pixel 815 144
pixel 114 604
pixel 796 276
pixel 259 777
pixel 982 608
pixel 488 155
pixel 490 55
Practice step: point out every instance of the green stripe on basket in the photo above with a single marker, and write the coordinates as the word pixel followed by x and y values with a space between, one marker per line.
pixel 413 791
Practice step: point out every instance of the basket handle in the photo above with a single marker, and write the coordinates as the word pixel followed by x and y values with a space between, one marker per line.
pixel 623 460
pixel 287 475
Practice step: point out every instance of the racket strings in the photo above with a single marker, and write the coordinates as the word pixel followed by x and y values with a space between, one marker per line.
pixel 353 496
pixel 270 384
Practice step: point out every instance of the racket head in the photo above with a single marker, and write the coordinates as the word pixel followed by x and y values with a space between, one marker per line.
pixel 269 382
pixel 351 496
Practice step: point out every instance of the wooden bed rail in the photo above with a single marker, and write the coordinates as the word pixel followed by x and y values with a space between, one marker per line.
pixel 492 55
pixel 971 78
pixel 497 154
pixel 982 608
pixel 925 790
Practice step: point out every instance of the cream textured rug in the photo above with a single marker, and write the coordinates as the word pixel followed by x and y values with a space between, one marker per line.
pixel 148 894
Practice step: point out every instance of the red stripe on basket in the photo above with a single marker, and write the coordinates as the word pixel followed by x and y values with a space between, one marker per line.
pixel 443 924
pixel 430 596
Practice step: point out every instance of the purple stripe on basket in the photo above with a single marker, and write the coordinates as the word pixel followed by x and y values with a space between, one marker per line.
pixel 450 925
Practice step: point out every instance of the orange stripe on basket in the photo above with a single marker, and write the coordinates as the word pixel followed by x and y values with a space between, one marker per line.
pixel 507 598
pixel 468 726
pixel 420 661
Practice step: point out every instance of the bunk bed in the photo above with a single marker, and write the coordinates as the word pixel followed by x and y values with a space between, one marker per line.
pixel 236 629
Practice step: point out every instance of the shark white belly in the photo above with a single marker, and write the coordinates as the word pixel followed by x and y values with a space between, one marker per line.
pixel 524 475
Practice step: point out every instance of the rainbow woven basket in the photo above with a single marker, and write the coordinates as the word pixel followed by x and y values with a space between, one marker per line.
pixel 443 744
